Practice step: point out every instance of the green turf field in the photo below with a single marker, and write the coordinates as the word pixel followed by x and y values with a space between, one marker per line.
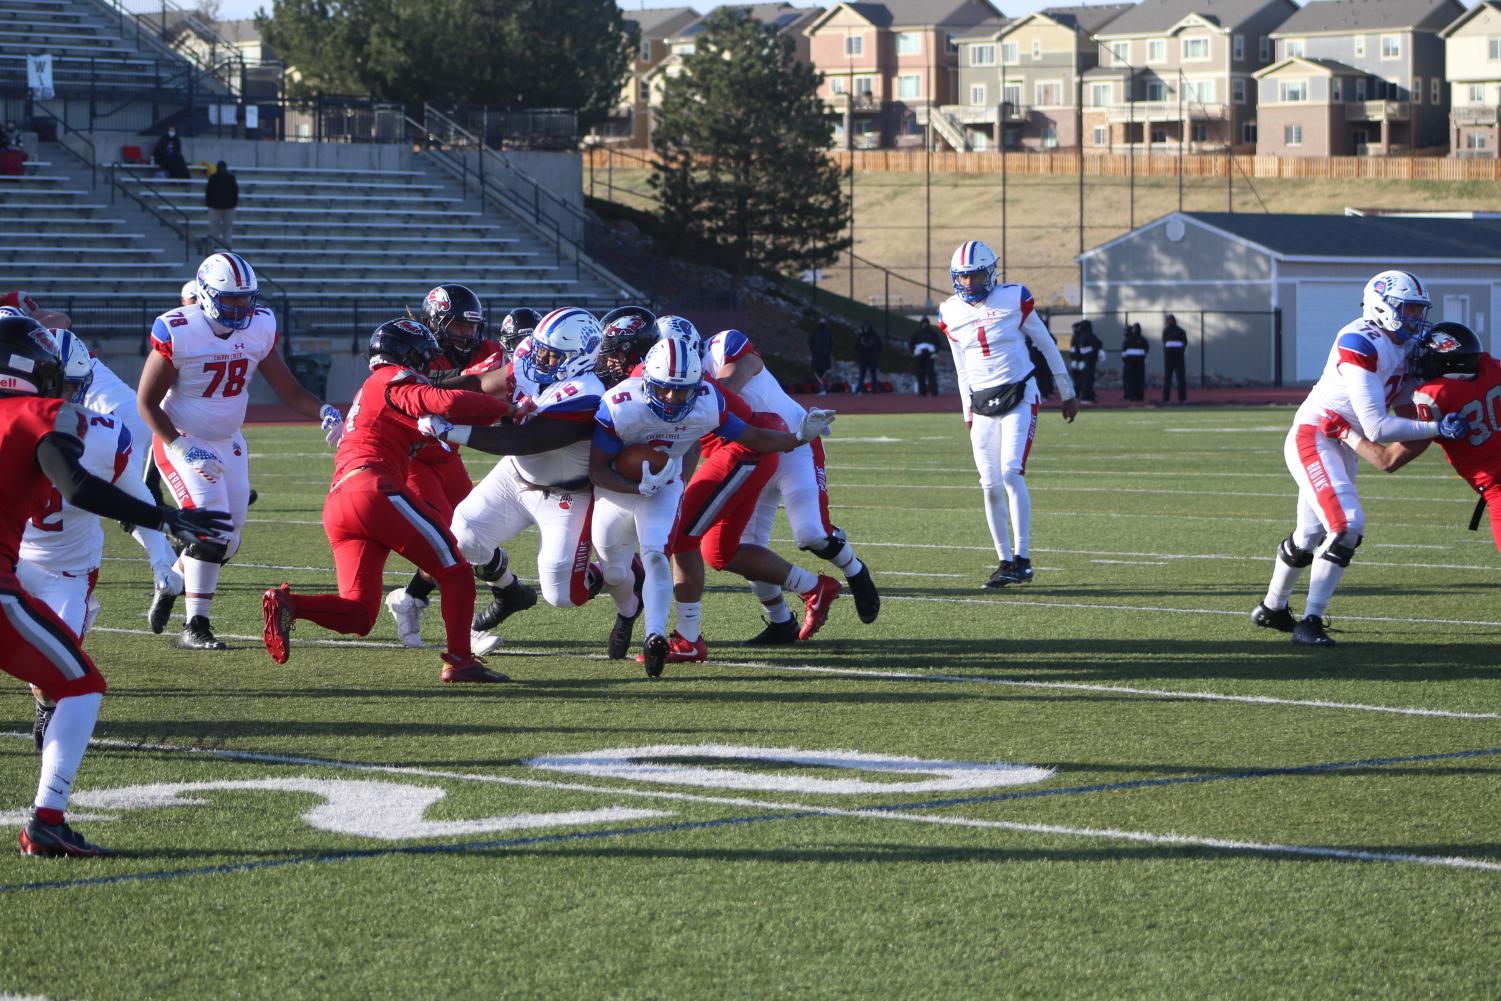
pixel 1104 784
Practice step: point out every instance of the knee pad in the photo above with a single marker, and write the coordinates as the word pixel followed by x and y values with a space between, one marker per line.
pixel 659 561
pixel 615 574
pixel 1012 476
pixel 826 548
pixel 1341 547
pixel 208 552
pixel 1293 555
pixel 494 568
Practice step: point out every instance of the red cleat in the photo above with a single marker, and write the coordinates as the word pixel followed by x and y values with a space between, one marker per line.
pixel 276 605
pixel 472 671
pixel 818 600
pixel 40 839
pixel 680 651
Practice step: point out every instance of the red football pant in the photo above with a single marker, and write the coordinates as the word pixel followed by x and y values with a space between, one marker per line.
pixel 366 520
pixel 1493 508
pixel 718 502
pixel 39 647
pixel 441 484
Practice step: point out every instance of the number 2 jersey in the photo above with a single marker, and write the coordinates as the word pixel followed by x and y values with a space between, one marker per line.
pixel 62 538
pixel 1477 456
pixel 214 373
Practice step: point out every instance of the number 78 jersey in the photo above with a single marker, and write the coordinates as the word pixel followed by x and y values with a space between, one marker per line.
pixel 214 373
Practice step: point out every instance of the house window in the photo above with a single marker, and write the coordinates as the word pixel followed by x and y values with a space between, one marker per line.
pixel 1264 48
pixel 1200 133
pixel 977 93
pixel 643 91
pixel 951 43
pixel 1248 133
pixel 1159 134
pixel 908 43
pixel 1417 90
pixel 1476 140
pixel 1049 94
pixel 1292 135
pixel 1238 91
pixel 1199 90
pixel 1120 53
pixel 1156 90
pixel 1036 49
pixel 1475 93
pixel 1289 91
pixel 1195 49
pixel 1101 95
pixel 1436 90
pixel 1100 135
pixel 854 45
pixel 837 85
pixel 1050 135
pixel 1010 53
pixel 1156 50
pixel 909 85
pixel 1360 46
pixel 1238 47
pixel 1493 49
pixel 1391 46
pixel 1292 48
pixel 982 55
pixel 646 50
pixel 865 85
pixel 1012 94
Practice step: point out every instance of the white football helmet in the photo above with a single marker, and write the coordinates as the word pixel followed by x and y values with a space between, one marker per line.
pixel 682 329
pixel 568 338
pixel 672 365
pixel 13 311
pixel 78 365
pixel 1396 302
pixel 189 294
pixel 227 275
pixel 973 257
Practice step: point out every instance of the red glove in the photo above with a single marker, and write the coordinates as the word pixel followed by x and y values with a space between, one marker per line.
pixel 490 364
pixel 525 407
pixel 1333 425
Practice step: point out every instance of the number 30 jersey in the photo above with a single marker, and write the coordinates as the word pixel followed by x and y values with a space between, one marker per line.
pixel 208 399
pixel 65 539
pixel 1476 456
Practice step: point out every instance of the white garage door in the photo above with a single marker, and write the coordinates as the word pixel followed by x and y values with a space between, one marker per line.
pixel 1323 308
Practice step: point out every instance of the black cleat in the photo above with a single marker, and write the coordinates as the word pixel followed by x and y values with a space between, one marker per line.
pixel 1017 571
pixel 1280 619
pixel 998 576
pixel 39 725
pixel 620 635
pixel 654 654
pixel 1310 632
pixel 42 840
pixel 775 634
pixel 199 635
pixel 252 497
pixel 514 597
pixel 161 610
pixel 867 598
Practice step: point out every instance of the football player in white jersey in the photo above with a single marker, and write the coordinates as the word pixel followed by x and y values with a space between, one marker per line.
pixel 670 407
pixel 1362 378
pixel 193 395
pixel 799 483
pixel 989 327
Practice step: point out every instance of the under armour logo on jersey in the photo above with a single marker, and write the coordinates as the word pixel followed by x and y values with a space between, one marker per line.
pixel 239 345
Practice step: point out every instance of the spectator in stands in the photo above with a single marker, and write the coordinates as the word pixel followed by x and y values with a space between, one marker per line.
pixel 821 355
pixel 11 137
pixel 924 346
pixel 222 196
pixel 167 154
pixel 868 357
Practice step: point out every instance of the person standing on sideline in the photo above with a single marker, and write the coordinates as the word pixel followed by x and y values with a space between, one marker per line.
pixel 1174 352
pixel 821 355
pixel 1134 348
pixel 868 357
pixel 924 347
pixel 1084 353
pixel 222 196
pixel 989 327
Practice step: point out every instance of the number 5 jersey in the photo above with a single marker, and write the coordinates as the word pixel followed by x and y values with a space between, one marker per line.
pixel 214 373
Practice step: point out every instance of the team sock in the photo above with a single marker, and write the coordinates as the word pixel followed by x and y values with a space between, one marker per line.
pixel 62 749
pixel 688 622
pixel 201 578
pixel 800 581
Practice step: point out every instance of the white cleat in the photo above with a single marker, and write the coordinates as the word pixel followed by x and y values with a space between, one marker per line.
pixel 407 611
pixel 482 643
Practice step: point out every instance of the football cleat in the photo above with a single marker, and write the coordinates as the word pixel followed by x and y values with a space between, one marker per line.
pixel 407 611
pixel 1279 619
pixel 198 634
pixel 39 724
pixel 276 606
pixel 1014 571
pixel 482 643
pixel 997 576
pixel 782 633
pixel 654 654
pixel 620 635
pixel 40 839
pixel 816 605
pixel 470 671
pixel 514 597
pixel 680 651
pixel 168 586
pixel 867 598
pixel 251 497
pixel 1310 632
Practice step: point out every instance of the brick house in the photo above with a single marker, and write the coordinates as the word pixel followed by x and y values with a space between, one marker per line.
pixel 1472 48
pixel 1357 77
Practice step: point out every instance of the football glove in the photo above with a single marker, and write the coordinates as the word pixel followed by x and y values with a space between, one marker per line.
pixel 440 427
pixel 1453 426
pixel 652 483
pixel 203 462
pixel 1333 425
pixel 331 421
pixel 816 424
pixel 195 524
pixel 489 363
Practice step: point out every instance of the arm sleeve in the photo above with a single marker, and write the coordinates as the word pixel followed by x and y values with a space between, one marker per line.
pixel 58 454
pixel 960 375
pixel 1037 332
pixel 460 406
pixel 732 427
pixel 1367 396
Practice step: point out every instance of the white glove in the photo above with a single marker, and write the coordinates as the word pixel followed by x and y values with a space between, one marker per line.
pixel 331 421
pixel 203 462
pixel 440 427
pixel 816 424
pixel 652 482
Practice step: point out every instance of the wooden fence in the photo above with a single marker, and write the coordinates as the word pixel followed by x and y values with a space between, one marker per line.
pixel 1385 168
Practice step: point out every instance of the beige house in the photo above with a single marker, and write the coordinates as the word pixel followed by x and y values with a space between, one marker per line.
pixel 1472 46
pixel 1178 74
pixel 629 121
pixel 885 65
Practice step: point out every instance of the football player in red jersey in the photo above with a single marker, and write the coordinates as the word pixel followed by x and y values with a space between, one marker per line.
pixel 370 511
pixel 466 360
pixel 41 441
pixel 1458 378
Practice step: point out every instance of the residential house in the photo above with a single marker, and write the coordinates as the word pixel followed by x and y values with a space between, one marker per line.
pixel 629 121
pixel 1019 80
pixel 1178 73
pixel 1357 77
pixel 886 64
pixel 1472 58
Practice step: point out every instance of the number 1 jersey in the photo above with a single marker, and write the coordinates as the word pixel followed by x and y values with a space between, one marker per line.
pixel 208 399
